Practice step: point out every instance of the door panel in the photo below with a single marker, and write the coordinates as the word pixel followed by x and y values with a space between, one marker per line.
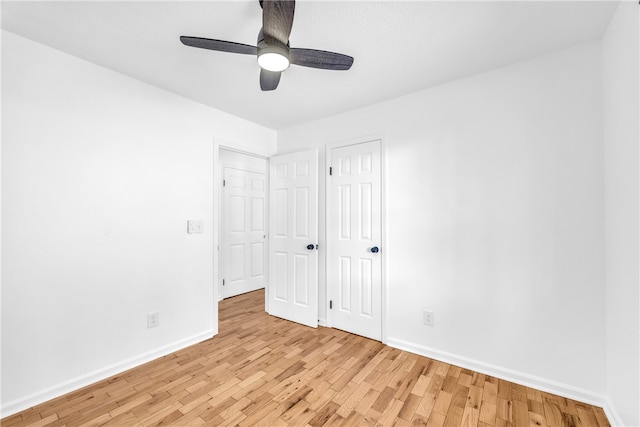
pixel 355 272
pixel 293 216
pixel 244 234
pixel 236 263
pixel 257 259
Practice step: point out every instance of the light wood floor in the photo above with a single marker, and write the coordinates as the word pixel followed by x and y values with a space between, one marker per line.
pixel 262 370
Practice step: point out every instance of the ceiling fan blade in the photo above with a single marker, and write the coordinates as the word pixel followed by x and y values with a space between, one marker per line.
pixel 320 59
pixel 269 79
pixel 277 20
pixel 220 45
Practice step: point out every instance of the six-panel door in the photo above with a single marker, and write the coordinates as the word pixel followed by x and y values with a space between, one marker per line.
pixel 244 231
pixel 355 270
pixel 293 236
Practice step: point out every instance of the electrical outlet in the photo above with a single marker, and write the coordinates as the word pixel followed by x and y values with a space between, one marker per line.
pixel 428 317
pixel 153 320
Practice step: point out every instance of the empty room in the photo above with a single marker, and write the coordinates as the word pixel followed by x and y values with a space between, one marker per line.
pixel 320 213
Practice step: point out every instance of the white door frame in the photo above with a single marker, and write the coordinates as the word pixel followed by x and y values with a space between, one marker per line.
pixel 219 144
pixel 383 217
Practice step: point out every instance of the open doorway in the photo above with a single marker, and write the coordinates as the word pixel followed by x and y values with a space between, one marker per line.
pixel 286 264
pixel 242 228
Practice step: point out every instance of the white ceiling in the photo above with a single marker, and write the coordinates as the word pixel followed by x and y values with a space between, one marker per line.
pixel 399 47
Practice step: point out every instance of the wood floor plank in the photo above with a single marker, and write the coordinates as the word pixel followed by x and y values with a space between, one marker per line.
pixel 477 379
pixel 436 420
pixel 390 413
pixel 488 413
pixel 470 416
pixel 352 399
pixel 323 415
pixel 365 403
pixel 552 413
pixel 520 413
pixel 537 420
pixel 490 392
pixel 443 402
pixel 261 370
pixel 586 415
pixel 425 407
pixel 45 421
pixel 409 407
pixel 601 417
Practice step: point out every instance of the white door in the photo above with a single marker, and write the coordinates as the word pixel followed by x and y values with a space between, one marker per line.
pixel 354 260
pixel 244 251
pixel 293 225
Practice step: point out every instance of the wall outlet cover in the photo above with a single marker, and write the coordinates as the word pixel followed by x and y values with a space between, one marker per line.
pixel 153 320
pixel 428 317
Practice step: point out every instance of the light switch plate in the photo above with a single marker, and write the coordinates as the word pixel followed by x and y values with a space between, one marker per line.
pixel 194 226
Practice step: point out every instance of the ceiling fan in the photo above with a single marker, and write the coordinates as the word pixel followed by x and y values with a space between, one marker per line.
pixel 273 51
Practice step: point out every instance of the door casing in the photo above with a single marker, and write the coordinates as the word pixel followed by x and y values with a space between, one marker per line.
pixel 219 144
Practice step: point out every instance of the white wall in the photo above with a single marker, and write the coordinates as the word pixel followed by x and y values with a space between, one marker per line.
pixel 621 72
pixel 494 218
pixel 100 173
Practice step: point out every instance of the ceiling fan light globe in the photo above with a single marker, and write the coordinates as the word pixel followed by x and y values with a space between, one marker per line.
pixel 273 61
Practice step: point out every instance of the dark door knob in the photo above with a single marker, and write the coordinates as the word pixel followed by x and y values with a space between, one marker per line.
pixel 310 247
pixel 374 250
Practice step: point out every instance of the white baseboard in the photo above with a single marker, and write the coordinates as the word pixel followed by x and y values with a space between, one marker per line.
pixel 84 380
pixel 544 384
pixel 612 414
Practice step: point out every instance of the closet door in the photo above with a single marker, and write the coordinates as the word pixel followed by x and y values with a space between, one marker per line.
pixel 244 231
pixel 354 278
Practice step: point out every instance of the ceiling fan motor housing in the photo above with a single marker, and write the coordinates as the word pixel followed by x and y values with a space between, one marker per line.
pixel 274 55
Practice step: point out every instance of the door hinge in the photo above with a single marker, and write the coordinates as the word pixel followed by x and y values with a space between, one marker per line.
pixel 330 170
pixel 222 282
pixel 330 305
pixel 224 183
